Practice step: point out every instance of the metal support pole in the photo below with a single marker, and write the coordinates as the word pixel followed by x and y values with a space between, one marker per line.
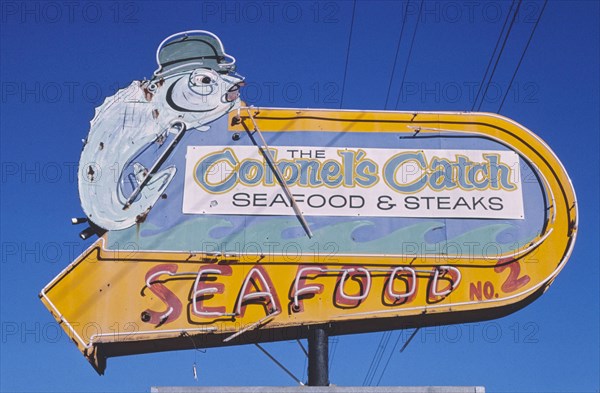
pixel 318 356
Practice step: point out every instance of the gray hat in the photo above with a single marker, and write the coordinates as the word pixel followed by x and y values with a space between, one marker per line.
pixel 189 50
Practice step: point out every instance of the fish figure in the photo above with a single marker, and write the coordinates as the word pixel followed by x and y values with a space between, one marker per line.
pixel 194 85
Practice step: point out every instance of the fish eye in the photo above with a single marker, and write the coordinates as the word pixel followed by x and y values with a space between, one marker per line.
pixel 202 78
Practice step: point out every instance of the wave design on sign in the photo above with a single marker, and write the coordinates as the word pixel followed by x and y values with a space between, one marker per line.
pixel 283 235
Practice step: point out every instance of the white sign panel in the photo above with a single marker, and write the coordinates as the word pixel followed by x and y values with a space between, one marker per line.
pixel 333 181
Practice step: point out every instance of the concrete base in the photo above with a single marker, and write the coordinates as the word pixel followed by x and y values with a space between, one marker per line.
pixel 317 389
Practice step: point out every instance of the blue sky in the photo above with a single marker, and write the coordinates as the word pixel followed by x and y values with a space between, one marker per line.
pixel 59 60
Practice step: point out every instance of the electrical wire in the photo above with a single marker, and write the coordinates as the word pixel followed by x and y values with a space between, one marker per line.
pixel 523 55
pixel 409 52
pixel 370 370
pixel 389 358
pixel 487 69
pixel 348 54
pixel 387 96
pixel 367 375
pixel 385 338
pixel 196 350
pixel 512 22
pixel 394 350
pixel 385 345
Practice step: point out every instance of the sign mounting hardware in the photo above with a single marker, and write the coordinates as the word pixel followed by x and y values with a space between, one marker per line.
pixel 266 151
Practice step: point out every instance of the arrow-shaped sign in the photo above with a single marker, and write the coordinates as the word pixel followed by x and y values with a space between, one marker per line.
pixel 116 302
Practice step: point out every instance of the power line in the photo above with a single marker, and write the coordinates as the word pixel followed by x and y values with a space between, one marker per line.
pixel 366 380
pixel 409 53
pixel 523 55
pixel 389 358
pixel 348 53
pixel 414 333
pixel 487 69
pixel 385 345
pixel 512 22
pixel 387 97
pixel 385 338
